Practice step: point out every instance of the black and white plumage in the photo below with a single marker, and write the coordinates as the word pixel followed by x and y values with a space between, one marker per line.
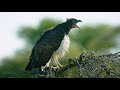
pixel 52 46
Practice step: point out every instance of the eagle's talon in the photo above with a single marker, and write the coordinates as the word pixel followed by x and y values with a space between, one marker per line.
pixel 54 69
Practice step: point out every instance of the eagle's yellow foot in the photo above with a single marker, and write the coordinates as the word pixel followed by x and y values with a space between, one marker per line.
pixel 57 68
pixel 54 68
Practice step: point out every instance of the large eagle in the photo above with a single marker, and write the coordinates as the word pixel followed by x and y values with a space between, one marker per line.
pixel 51 46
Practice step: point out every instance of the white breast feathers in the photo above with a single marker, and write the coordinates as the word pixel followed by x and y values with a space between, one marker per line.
pixel 64 46
pixel 60 52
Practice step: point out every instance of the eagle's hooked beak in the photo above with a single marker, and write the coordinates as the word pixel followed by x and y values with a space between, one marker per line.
pixel 75 26
pixel 77 22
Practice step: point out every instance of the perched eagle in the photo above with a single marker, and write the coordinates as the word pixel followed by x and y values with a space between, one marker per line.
pixel 51 46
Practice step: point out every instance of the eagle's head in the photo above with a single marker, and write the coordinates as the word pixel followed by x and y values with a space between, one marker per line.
pixel 72 22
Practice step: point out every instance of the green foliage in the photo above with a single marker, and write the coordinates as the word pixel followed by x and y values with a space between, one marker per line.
pixel 95 38
pixel 14 67
pixel 31 34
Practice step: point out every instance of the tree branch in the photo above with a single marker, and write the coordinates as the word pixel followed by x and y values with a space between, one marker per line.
pixel 95 66
pixel 90 65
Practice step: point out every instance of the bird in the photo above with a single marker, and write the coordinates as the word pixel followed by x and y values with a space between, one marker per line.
pixel 51 46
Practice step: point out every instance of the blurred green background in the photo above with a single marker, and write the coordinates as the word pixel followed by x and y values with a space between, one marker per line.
pixel 100 38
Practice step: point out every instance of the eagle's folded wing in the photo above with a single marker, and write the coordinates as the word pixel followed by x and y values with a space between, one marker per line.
pixel 44 48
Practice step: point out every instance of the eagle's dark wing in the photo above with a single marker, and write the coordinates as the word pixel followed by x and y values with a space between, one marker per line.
pixel 44 48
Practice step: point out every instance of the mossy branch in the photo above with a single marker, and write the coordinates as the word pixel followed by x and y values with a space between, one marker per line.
pixel 90 65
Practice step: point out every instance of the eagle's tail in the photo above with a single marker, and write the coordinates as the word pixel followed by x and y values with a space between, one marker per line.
pixel 28 67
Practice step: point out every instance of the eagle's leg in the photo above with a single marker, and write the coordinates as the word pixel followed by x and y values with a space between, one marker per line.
pixel 61 66
pixel 53 64
pixel 48 68
pixel 43 72
pixel 58 63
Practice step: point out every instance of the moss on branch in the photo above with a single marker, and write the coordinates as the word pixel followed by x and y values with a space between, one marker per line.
pixel 90 65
